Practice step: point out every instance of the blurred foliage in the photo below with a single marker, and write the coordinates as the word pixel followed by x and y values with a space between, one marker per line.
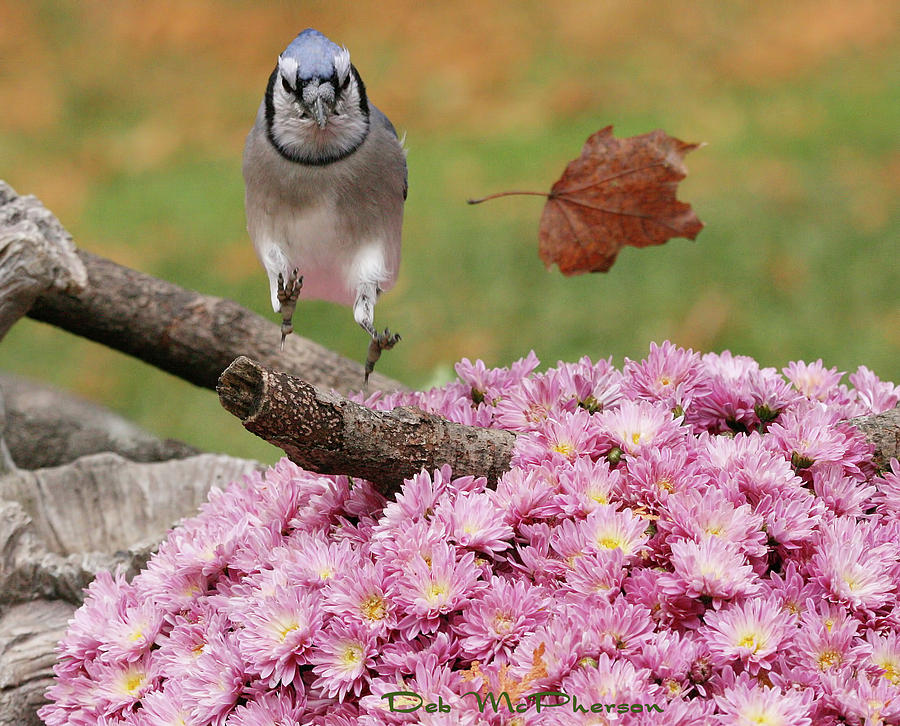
pixel 127 119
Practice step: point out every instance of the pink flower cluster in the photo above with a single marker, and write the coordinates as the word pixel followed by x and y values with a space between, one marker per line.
pixel 690 540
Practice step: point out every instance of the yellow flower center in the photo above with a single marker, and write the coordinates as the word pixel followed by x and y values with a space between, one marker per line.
pixel 352 655
pixel 286 630
pixel 611 542
pixel 828 658
pixel 373 608
pixel 891 670
pixel 502 623
pixel 436 591
pixel 750 641
pixel 563 447
pixel 133 681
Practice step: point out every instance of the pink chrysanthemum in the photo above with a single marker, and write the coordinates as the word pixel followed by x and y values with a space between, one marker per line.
pixel 597 574
pixel 854 567
pixel 669 375
pixel 710 568
pixel 277 708
pixel 489 383
pixel 214 685
pixel 791 589
pixel 669 656
pixel 813 434
pixel 471 520
pixel 695 515
pixel 728 405
pixel 638 425
pixel 865 699
pixel 361 597
pixel 746 702
pixel 187 640
pixel 842 494
pixel 528 404
pixel 872 394
pixel 813 380
pixel 586 485
pixel 887 496
pixel 608 528
pixel 524 496
pixel 652 478
pixel 277 631
pixel 428 590
pixel 610 681
pixel 738 564
pixel 164 707
pixel 491 626
pixel 884 654
pixel 402 657
pixel 594 386
pixel 342 658
pixel 416 499
pixel 130 636
pixel 750 632
pixel 561 439
pixel 120 686
pixel 826 640
pixel 313 560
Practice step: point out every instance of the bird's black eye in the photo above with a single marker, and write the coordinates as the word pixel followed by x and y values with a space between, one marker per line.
pixel 286 85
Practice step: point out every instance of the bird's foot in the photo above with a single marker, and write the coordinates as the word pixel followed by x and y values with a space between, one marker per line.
pixel 288 292
pixel 380 342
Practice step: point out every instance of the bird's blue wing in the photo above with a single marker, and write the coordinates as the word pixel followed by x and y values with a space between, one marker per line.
pixel 377 117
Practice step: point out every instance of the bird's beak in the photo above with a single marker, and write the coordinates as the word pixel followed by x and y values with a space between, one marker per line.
pixel 318 110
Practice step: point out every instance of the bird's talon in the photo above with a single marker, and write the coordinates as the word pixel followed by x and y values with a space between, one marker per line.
pixel 288 292
pixel 379 342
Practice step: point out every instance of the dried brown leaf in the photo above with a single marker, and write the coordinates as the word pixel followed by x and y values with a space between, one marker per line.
pixel 618 192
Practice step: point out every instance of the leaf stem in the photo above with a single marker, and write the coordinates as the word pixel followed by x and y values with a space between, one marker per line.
pixel 506 194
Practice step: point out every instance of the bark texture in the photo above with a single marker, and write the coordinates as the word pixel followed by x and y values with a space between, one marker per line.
pixel 48 427
pixel 28 634
pixel 883 430
pixel 324 432
pixel 36 255
pixel 58 528
pixel 186 333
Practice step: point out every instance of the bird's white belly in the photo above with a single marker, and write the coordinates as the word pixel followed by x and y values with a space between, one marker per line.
pixel 310 241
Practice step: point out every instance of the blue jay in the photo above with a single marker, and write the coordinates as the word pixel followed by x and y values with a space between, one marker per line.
pixel 326 180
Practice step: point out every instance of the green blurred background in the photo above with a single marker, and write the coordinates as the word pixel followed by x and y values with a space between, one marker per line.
pixel 128 119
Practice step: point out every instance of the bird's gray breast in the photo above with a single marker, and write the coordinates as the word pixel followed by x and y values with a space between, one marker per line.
pixel 320 217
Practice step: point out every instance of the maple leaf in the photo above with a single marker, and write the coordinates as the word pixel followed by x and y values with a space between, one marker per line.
pixel 618 192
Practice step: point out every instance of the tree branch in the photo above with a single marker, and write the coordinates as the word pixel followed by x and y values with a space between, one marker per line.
pixel 186 333
pixel 882 430
pixel 44 426
pixel 327 433
pixel 324 432
pixel 36 254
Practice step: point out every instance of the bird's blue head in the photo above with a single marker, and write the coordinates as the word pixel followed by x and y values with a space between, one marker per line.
pixel 316 105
